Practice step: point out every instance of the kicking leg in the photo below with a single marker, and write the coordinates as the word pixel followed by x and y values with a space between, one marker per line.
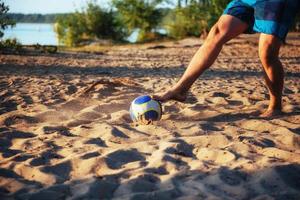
pixel 269 47
pixel 225 29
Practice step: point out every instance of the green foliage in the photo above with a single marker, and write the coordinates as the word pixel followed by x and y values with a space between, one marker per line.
pixel 216 8
pixel 8 44
pixel 34 18
pixel 45 48
pixel 189 18
pixel 11 45
pixel 139 14
pixel 92 23
pixel 69 29
pixel 193 19
pixel 102 24
pixel 4 20
pixel 185 21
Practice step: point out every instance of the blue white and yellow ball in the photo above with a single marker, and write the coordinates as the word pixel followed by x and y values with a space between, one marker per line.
pixel 145 107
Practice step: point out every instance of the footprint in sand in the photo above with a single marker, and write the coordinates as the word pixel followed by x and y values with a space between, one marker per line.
pixel 257 125
pixel 288 137
pixel 7 153
pixel 23 157
pixel 18 119
pixel 90 113
pixel 281 154
pixel 90 155
pixel 6 141
pixel 7 105
pixel 145 183
pixel 52 116
pixel 181 148
pixel 33 173
pixel 117 159
pixel 44 194
pixel 60 171
pixel 290 175
pixel 219 94
pixel 280 181
pixel 261 142
pixel 215 155
pixel 97 141
pixel 45 158
pixel 61 130
pixel 103 188
pixel 19 185
pixel 232 177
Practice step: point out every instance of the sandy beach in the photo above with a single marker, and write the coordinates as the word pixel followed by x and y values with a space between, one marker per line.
pixel 61 137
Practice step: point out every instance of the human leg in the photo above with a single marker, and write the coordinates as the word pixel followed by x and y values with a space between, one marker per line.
pixel 269 47
pixel 225 29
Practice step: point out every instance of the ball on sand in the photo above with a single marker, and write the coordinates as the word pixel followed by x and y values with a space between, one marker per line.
pixel 146 109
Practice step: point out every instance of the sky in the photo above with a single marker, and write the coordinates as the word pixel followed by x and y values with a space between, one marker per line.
pixel 48 6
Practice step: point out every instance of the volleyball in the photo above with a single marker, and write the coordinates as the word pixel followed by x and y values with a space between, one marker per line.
pixel 145 109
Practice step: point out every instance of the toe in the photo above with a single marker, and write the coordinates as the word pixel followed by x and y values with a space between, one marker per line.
pixel 157 97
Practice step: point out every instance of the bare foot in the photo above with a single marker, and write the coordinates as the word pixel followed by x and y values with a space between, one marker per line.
pixel 170 95
pixel 270 113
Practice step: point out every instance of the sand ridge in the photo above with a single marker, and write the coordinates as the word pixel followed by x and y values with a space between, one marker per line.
pixel 65 130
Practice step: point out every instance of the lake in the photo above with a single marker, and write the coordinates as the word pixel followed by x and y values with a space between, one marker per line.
pixel 32 33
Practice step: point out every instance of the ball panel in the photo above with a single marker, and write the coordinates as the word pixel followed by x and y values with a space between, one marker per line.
pixel 151 115
pixel 155 105
pixel 142 99
pixel 132 114
pixel 152 104
pixel 139 109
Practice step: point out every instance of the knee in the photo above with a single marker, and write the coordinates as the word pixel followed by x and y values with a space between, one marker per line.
pixel 268 54
pixel 218 34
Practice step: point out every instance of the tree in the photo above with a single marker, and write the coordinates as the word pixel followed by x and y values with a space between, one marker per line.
pixel 93 22
pixel 190 20
pixel 196 17
pixel 69 29
pixel 216 8
pixel 140 14
pixel 4 20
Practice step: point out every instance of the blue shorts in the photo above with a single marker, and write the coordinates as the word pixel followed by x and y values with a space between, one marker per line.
pixel 272 17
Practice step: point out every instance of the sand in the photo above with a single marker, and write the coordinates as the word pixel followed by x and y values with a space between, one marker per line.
pixel 61 137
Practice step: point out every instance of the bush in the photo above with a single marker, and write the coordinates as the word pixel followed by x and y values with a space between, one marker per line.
pixel 45 48
pixel 4 20
pixel 196 18
pixel 216 8
pixel 92 23
pixel 140 14
pixel 8 44
pixel 11 45
pixel 186 21
pixel 69 29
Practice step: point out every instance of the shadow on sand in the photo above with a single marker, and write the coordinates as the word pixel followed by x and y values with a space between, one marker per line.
pixel 122 71
pixel 278 182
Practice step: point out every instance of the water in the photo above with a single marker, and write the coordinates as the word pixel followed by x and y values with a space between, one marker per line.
pixel 135 34
pixel 32 33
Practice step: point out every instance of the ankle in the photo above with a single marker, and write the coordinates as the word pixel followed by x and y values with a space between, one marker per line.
pixel 179 90
pixel 273 106
pixel 275 103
